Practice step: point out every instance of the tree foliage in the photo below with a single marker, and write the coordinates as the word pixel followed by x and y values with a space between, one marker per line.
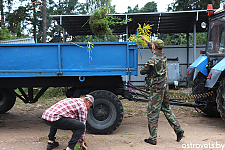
pixel 18 32
pixel 148 7
pixel 91 5
pixel 4 33
pixel 134 10
pixel 19 15
pixel 183 5
pixel 181 38
pixel 2 5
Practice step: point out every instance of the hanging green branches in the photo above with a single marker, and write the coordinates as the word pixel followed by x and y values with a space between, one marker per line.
pixel 90 46
pixel 99 21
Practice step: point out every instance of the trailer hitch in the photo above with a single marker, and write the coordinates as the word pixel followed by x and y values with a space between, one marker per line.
pixel 137 94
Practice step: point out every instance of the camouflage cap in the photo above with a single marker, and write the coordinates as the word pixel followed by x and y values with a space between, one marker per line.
pixel 159 44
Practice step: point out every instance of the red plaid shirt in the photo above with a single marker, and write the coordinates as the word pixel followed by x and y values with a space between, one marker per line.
pixel 69 108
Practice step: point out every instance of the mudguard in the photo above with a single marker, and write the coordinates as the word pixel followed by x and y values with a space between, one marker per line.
pixel 199 64
pixel 214 73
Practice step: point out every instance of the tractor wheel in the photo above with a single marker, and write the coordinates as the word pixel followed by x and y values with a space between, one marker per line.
pixel 220 100
pixel 7 100
pixel 209 108
pixel 107 114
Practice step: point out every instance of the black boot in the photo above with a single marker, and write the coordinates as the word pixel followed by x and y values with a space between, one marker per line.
pixel 153 142
pixel 50 146
pixel 180 135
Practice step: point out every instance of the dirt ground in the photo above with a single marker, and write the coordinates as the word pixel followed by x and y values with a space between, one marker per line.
pixel 23 129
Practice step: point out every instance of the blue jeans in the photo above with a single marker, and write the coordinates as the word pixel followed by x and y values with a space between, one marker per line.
pixel 66 124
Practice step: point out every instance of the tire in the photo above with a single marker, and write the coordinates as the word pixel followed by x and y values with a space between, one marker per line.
pixel 220 100
pixel 7 100
pixel 210 108
pixel 71 93
pixel 107 114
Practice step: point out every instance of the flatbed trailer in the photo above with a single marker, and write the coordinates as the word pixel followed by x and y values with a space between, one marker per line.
pixel 97 71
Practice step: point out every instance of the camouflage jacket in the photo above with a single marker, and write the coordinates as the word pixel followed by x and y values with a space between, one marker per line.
pixel 155 70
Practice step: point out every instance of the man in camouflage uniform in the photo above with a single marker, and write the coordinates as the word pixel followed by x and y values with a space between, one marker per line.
pixel 156 83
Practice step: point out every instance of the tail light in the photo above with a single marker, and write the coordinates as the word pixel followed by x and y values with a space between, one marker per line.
pixel 202 52
pixel 209 77
pixel 188 72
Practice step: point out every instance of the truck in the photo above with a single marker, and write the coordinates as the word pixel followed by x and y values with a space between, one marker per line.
pixel 208 71
pixel 87 68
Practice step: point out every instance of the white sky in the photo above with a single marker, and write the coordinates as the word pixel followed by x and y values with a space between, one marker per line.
pixel 121 5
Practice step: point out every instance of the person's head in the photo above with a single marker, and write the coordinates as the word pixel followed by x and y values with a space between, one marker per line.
pixel 157 45
pixel 89 101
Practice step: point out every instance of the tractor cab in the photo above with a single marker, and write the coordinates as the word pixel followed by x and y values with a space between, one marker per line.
pixel 216 35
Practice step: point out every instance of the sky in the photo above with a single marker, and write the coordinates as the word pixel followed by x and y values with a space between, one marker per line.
pixel 121 5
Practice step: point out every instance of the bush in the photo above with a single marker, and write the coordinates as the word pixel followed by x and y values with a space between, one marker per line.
pixel 4 33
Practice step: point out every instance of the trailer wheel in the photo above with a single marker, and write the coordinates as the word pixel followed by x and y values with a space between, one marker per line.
pixel 199 88
pixel 107 114
pixel 220 100
pixel 7 100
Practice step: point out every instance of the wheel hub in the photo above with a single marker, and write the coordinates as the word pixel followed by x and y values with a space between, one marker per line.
pixel 101 112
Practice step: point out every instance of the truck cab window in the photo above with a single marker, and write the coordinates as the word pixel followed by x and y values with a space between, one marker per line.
pixel 217 36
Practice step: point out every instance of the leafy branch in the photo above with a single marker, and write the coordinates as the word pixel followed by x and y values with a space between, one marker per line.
pixel 145 31
pixel 99 21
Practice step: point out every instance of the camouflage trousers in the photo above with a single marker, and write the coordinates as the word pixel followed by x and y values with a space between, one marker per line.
pixel 159 100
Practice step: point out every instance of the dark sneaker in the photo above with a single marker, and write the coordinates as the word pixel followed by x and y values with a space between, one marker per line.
pixel 50 146
pixel 153 142
pixel 180 135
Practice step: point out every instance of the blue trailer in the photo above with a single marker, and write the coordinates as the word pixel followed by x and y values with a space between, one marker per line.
pixel 70 65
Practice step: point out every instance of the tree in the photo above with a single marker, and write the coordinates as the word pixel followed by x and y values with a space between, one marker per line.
pixel 1 10
pixel 4 33
pixel 2 4
pixel 17 16
pixel 91 5
pixel 149 7
pixel 68 7
pixel 60 8
pixel 183 5
pixel 44 21
pixel 181 38
pixel 18 32
pixel 134 10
